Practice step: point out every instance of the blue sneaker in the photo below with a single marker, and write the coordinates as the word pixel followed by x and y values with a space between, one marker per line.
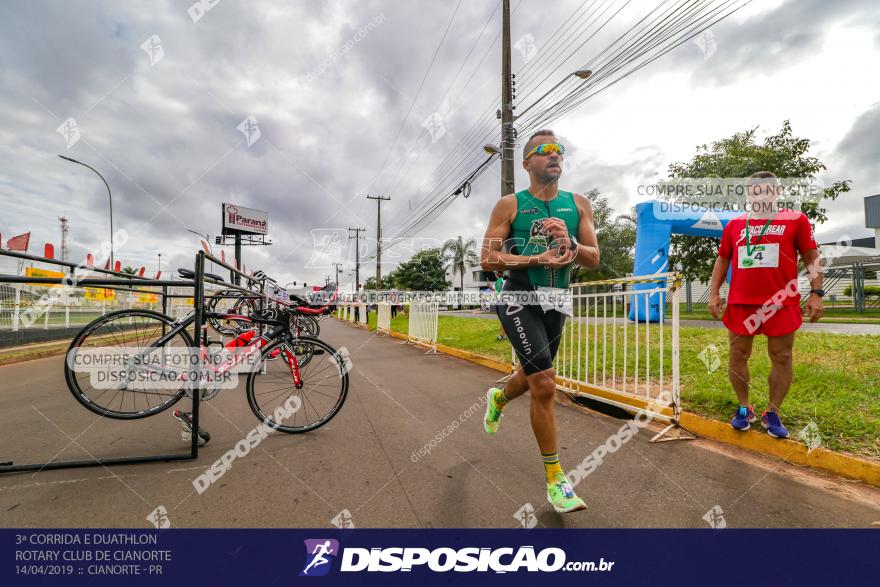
pixel 742 418
pixel 771 421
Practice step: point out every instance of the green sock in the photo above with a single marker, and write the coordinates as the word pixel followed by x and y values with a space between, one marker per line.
pixel 551 466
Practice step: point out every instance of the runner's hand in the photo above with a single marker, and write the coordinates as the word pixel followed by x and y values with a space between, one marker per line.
pixel 550 258
pixel 715 307
pixel 555 229
pixel 814 308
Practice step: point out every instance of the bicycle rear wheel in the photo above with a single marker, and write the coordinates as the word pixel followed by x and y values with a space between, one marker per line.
pixel 324 386
pixel 125 329
pixel 230 301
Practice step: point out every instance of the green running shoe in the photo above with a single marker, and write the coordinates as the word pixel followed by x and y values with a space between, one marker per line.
pixel 561 496
pixel 493 414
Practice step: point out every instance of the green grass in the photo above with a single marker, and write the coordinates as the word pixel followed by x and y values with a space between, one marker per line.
pixel 832 315
pixel 836 377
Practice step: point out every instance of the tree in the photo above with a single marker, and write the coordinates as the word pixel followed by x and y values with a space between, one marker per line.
pixel 370 283
pixel 130 270
pixel 616 236
pixel 740 156
pixel 460 254
pixel 423 272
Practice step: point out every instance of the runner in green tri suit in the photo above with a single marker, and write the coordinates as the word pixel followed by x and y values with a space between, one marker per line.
pixel 546 231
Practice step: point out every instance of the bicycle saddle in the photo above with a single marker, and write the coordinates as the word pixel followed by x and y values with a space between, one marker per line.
pixel 190 274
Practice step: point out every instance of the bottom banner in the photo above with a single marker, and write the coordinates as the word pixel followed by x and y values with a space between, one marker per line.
pixel 398 557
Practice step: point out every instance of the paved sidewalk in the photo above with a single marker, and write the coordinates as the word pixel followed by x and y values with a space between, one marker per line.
pixel 366 461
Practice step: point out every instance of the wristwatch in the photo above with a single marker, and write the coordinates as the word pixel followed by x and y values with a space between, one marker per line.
pixel 818 292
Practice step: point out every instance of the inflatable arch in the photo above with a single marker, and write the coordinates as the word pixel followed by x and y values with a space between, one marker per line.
pixel 656 223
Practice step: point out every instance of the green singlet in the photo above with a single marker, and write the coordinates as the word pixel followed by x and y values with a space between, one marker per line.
pixel 528 240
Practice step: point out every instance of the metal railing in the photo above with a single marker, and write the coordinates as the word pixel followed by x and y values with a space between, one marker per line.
pixel 607 357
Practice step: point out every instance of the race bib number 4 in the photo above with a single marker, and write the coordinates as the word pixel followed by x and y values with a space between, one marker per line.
pixel 764 256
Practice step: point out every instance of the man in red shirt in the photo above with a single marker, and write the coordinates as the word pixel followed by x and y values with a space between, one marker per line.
pixel 763 295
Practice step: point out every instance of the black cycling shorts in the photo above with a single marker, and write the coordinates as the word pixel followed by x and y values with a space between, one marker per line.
pixel 533 333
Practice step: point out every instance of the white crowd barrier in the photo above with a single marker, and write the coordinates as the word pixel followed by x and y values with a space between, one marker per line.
pixel 363 314
pixel 383 317
pixel 25 306
pixel 423 317
pixel 601 350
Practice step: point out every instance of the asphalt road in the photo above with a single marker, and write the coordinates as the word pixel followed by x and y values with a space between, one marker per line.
pixel 366 461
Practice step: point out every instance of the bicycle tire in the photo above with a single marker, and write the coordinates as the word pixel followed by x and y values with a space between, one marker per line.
pixel 307 404
pixel 83 398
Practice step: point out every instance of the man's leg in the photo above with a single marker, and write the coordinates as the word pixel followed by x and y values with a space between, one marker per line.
pixel 779 349
pixel 738 365
pixel 542 386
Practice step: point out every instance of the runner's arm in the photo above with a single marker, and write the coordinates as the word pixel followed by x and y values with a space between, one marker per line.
pixel 492 258
pixel 719 273
pixel 812 261
pixel 587 254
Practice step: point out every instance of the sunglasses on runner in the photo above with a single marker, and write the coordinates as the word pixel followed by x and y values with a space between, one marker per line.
pixel 546 148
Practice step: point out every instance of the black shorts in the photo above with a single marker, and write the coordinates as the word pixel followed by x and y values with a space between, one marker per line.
pixel 533 333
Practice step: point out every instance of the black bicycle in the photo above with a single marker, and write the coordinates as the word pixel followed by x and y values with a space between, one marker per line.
pixel 287 367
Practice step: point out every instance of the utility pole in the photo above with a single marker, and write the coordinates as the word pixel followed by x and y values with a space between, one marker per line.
pixel 379 200
pixel 508 134
pixel 338 270
pixel 357 255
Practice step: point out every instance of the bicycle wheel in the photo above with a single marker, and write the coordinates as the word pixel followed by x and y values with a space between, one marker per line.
pixel 231 301
pixel 304 326
pixel 127 400
pixel 323 388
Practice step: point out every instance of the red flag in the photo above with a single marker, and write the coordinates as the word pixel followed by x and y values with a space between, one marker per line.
pixel 158 275
pixel 118 267
pixel 90 260
pixel 49 251
pixel 141 272
pixel 205 247
pixel 222 256
pixel 107 264
pixel 19 243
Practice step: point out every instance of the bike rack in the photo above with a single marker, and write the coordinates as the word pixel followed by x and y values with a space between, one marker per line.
pixel 198 285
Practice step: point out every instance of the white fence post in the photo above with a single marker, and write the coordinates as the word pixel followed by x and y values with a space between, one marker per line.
pixel 423 317
pixel 15 311
pixel 383 317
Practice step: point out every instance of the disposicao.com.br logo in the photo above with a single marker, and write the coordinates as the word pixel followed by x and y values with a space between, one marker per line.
pixel 442 560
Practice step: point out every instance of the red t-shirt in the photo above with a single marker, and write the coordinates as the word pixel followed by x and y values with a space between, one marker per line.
pixel 756 285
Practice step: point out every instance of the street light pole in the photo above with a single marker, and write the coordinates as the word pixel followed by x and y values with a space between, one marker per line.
pixel 581 73
pixel 109 196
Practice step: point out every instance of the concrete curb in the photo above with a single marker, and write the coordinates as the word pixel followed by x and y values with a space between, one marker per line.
pixel 790 451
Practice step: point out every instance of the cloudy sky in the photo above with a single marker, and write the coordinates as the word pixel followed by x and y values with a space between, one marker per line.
pixel 372 97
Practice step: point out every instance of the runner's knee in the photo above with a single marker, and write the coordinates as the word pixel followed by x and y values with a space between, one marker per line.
pixel 542 385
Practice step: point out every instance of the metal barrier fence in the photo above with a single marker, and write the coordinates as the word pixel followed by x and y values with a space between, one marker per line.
pixel 423 318
pixel 383 317
pixel 606 357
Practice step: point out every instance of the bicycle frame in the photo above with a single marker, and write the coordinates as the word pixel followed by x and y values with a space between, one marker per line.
pixel 239 354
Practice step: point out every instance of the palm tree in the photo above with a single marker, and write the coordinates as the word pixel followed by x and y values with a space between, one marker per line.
pixel 459 254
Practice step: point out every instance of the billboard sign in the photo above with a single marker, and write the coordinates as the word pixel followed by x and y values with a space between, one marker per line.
pixel 244 220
